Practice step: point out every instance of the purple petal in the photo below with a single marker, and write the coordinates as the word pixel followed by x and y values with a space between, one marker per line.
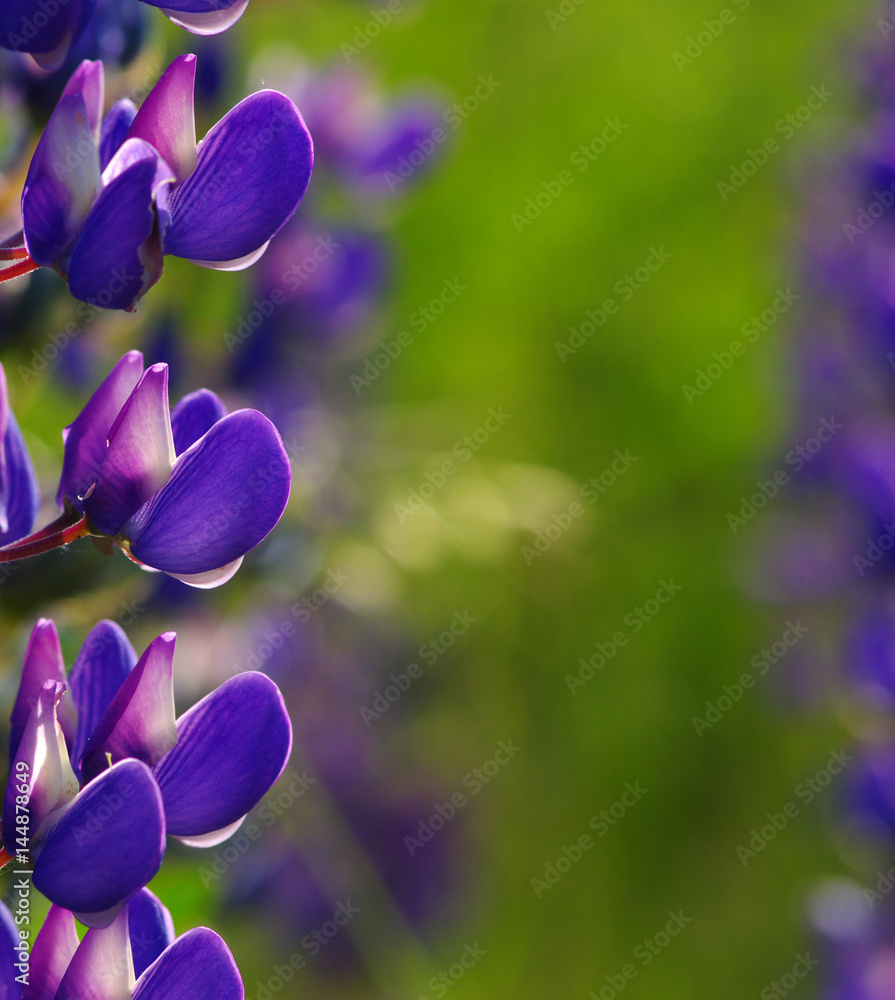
pixel 225 495
pixel 62 181
pixel 102 666
pixel 198 965
pixel 140 455
pixel 151 929
pixel 9 957
pixel 193 416
pixel 43 662
pixel 22 488
pixel 54 947
pixel 114 129
pixel 88 81
pixel 101 968
pixel 205 21
pixel 117 256
pixel 140 720
pixel 107 846
pixel 231 747
pixel 167 120
pixel 253 170
pixel 41 772
pixel 85 439
pixel 50 40
pixel 212 578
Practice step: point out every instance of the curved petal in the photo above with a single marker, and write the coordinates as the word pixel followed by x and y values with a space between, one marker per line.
pixel 237 264
pixel 54 947
pixel 41 773
pixel 50 40
pixel 102 967
pixel 193 416
pixel 43 662
pixel 102 666
pixel 231 747
pixel 22 487
pixel 198 965
pixel 86 437
pixel 62 182
pixel 140 721
pixel 167 119
pixel 139 457
pixel 114 129
pixel 252 173
pixel 115 260
pixel 107 846
pixel 225 495
pixel 10 986
pixel 213 578
pixel 213 838
pixel 151 929
pixel 209 22
pixel 88 80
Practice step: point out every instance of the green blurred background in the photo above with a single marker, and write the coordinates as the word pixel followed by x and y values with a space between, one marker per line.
pixel 655 186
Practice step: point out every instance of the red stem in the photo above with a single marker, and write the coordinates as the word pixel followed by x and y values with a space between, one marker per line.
pixel 13 253
pixel 35 546
pixel 65 520
pixel 18 269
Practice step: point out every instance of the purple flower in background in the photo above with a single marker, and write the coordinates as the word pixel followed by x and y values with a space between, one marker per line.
pixel 111 727
pixel 375 146
pixel 187 491
pixel 136 956
pixel 47 29
pixel 106 198
pixel 19 491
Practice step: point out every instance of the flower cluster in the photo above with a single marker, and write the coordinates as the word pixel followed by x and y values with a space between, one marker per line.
pixel 106 197
pixel 187 491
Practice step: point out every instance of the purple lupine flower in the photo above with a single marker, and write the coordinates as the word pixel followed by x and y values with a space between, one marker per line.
pixel 19 491
pixel 103 791
pixel 47 29
pixel 135 956
pixel 106 198
pixel 187 491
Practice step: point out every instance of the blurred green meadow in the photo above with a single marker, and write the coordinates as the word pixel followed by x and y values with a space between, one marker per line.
pixel 598 266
